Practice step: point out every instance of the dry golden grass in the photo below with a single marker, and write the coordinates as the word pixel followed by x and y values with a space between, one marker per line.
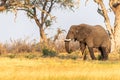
pixel 58 69
pixel 21 60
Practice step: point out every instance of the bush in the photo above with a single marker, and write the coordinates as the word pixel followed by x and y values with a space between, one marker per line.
pixel 48 52
pixel 11 56
pixel 99 57
pixel 30 56
pixel 20 46
pixel 3 49
pixel 36 47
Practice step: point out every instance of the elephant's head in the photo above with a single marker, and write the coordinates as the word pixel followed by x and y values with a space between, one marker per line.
pixel 70 36
pixel 76 32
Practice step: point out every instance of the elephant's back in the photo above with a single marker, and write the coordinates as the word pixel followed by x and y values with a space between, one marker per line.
pixel 100 30
pixel 104 36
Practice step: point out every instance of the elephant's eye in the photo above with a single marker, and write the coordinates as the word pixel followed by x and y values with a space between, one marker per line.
pixel 72 32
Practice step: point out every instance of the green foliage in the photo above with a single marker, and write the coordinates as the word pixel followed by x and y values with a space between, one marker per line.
pixel 30 56
pixel 49 53
pixel 11 55
pixel 48 23
pixel 74 55
pixel 99 57
pixel 66 3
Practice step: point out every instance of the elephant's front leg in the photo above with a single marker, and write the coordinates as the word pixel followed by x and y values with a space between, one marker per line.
pixel 82 48
pixel 92 53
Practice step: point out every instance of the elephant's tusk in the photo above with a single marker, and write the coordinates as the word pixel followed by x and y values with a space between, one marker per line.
pixel 67 40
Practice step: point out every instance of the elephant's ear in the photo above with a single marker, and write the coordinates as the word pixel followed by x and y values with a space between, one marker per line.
pixel 84 32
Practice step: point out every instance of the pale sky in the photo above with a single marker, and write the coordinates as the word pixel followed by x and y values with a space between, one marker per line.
pixel 24 28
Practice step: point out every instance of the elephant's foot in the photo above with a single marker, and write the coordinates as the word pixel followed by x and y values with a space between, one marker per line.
pixel 94 58
pixel 104 54
pixel 105 58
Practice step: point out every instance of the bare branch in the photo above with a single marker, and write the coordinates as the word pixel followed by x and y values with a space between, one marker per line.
pixel 105 15
pixel 44 11
pixel 86 2
pixel 49 10
pixel 44 8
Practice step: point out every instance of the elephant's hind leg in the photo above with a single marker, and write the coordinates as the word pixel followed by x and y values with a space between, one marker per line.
pixel 92 53
pixel 103 53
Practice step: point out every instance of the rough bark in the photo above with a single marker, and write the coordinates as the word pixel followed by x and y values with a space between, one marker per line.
pixel 115 6
pixel 43 18
pixel 41 30
pixel 43 38
pixel 107 20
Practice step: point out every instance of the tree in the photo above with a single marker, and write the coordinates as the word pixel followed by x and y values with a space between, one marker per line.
pixel 115 6
pixel 39 10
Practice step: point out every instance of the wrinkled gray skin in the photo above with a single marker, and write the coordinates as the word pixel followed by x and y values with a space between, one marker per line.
pixel 90 36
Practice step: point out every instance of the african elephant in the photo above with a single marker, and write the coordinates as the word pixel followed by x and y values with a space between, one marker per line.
pixel 90 36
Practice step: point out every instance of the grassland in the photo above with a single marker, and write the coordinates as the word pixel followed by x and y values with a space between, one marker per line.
pixel 24 61
pixel 58 69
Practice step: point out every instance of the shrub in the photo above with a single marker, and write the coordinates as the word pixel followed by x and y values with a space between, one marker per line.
pixel 74 57
pixel 2 49
pixel 99 57
pixel 30 56
pixel 20 46
pixel 36 47
pixel 48 52
pixel 11 55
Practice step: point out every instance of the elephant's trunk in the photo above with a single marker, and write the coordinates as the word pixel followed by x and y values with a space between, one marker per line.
pixel 67 46
pixel 67 41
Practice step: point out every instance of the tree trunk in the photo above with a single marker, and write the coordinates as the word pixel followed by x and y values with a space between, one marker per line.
pixel 42 35
pixel 43 38
pixel 115 5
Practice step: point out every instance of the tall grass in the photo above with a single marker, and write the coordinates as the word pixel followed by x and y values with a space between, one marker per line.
pixel 25 61
pixel 53 49
pixel 58 69
pixel 27 46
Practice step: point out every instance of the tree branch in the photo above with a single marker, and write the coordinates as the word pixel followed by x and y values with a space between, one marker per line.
pixel 107 21
pixel 44 8
pixel 3 2
pixel 49 10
